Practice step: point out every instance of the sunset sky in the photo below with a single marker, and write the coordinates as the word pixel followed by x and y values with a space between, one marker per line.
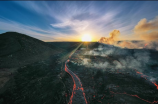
pixel 70 20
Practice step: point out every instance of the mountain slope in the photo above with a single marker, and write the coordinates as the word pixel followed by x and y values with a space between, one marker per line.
pixel 18 49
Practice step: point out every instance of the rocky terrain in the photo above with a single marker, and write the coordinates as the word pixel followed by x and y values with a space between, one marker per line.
pixel 112 75
pixel 31 69
pixel 33 72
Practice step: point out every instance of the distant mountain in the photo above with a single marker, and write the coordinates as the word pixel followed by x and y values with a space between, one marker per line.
pixel 17 49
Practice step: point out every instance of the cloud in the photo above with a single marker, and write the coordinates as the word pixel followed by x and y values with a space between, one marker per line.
pixel 76 24
pixel 75 17
pixel 85 16
pixel 147 30
pixel 150 36
pixel 144 26
pixel 36 32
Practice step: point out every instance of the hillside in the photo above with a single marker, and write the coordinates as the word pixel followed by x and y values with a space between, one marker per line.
pixel 39 78
pixel 19 49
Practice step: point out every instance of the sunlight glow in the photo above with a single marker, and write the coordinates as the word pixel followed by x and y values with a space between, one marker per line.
pixel 86 38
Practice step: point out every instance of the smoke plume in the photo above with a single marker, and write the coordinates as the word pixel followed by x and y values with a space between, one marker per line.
pixel 147 30
pixel 112 39
pixel 126 60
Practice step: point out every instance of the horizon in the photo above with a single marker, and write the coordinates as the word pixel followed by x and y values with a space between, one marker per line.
pixel 66 41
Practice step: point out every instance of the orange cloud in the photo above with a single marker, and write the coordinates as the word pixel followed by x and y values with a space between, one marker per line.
pixel 147 30
pixel 113 37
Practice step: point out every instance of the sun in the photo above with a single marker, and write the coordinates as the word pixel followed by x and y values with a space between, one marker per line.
pixel 86 38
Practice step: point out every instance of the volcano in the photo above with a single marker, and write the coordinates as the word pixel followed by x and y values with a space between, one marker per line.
pixel 18 49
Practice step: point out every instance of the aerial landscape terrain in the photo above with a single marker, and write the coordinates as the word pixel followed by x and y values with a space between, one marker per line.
pixel 78 52
pixel 107 74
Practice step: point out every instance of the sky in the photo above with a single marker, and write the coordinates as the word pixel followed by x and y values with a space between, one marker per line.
pixel 70 20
